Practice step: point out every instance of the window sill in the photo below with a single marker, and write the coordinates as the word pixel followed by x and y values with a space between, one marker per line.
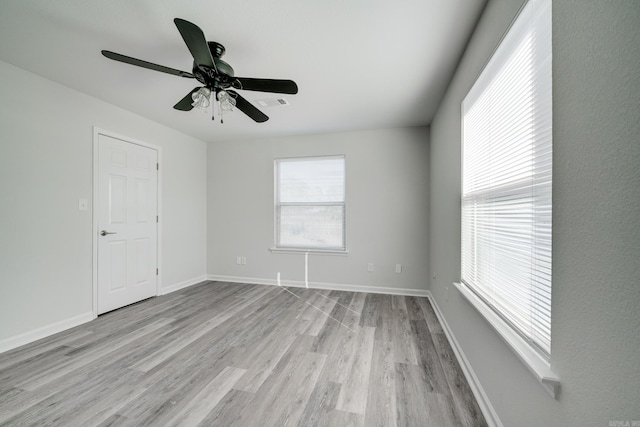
pixel 309 251
pixel 536 363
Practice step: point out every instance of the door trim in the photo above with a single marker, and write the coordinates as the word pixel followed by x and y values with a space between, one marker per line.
pixel 94 202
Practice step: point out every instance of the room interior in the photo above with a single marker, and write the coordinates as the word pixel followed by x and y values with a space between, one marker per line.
pixel 381 84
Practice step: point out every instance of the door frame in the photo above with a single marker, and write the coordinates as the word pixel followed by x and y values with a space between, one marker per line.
pixel 94 203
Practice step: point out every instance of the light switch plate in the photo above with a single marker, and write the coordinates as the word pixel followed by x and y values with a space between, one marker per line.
pixel 83 204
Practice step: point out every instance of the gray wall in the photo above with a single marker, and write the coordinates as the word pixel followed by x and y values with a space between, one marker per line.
pixel 46 165
pixel 596 202
pixel 387 209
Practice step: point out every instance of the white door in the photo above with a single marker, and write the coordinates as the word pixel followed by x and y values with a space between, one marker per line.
pixel 127 206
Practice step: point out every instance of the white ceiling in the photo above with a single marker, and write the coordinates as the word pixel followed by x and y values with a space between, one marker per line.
pixel 359 64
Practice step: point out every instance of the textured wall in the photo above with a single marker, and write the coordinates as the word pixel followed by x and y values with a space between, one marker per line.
pixel 386 208
pixel 596 294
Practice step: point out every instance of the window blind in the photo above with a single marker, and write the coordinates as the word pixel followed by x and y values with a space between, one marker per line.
pixel 310 203
pixel 506 183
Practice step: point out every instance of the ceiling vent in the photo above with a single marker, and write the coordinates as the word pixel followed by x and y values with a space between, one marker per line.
pixel 272 102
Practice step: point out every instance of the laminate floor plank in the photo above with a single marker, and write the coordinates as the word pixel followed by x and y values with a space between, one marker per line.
pixel 175 341
pixel 75 381
pixel 430 315
pixel 381 401
pixel 315 315
pixel 261 359
pixel 262 317
pixel 226 320
pixel 326 339
pixel 289 397
pixel 187 335
pixel 58 362
pixel 467 408
pixel 112 421
pixel 345 419
pixel 166 397
pixel 96 399
pixel 403 339
pixel 231 354
pixel 321 403
pixel 199 407
pixel 398 302
pixel 413 308
pixel 341 353
pixel 355 385
pixel 357 303
pixel 415 405
pixel 229 410
pixel 76 361
pixel 201 354
pixel 105 332
pixel 283 396
pixel 38 364
pixel 370 310
pixel 428 359
pixel 133 315
pixel 100 412
pixel 10 395
pixel 384 319
pixel 31 352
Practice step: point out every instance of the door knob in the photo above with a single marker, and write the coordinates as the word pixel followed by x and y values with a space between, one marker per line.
pixel 105 232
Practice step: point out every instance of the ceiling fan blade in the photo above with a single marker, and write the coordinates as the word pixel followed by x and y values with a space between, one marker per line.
pixel 145 64
pixel 248 108
pixel 196 42
pixel 185 104
pixel 268 85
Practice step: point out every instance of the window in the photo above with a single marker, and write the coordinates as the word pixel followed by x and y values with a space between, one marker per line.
pixel 310 203
pixel 506 183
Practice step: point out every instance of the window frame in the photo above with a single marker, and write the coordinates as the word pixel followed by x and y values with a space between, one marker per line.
pixel 278 246
pixel 536 360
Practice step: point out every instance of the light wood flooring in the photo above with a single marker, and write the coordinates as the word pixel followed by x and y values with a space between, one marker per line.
pixel 222 354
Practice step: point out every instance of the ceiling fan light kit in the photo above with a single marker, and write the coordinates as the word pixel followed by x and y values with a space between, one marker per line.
pixel 226 101
pixel 201 98
pixel 216 76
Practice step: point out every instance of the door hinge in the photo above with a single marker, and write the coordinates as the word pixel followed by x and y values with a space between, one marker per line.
pixel 156 271
pixel 157 218
pixel 157 166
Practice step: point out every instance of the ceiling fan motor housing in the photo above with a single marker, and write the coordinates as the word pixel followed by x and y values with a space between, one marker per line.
pixel 207 76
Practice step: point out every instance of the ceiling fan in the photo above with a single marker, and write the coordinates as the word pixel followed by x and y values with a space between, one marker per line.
pixel 216 75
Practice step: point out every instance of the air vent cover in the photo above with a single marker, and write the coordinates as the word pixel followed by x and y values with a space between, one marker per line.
pixel 272 102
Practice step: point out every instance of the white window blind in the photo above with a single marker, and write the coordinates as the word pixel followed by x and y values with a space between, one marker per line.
pixel 310 203
pixel 506 184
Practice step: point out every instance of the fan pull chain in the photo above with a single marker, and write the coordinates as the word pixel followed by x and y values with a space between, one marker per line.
pixel 213 109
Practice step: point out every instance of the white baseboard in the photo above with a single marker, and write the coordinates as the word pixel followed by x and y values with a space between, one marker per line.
pixel 45 331
pixel 321 285
pixel 185 284
pixel 481 397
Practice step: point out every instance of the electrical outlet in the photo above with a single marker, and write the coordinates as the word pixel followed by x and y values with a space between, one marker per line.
pixel 244 260
pixel 370 267
pixel 398 268
pixel 238 260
